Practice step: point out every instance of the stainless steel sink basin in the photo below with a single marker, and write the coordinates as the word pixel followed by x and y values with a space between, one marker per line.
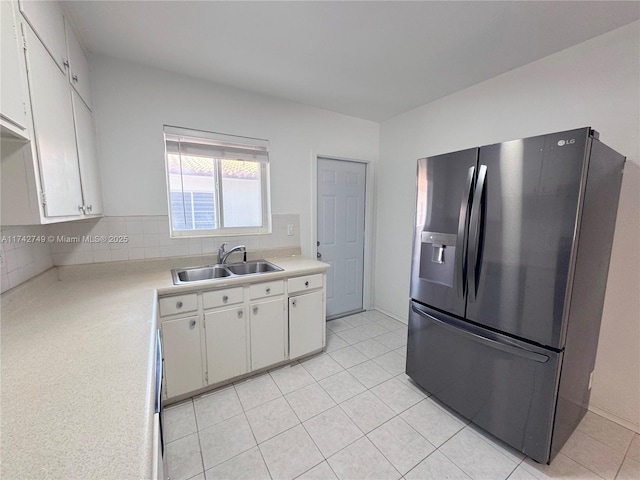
pixel 258 266
pixel 213 272
pixel 199 273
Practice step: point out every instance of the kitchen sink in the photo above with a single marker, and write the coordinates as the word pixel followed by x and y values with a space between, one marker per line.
pixel 258 266
pixel 214 272
pixel 199 273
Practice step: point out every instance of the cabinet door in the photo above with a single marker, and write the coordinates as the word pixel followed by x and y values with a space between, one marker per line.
pixel 78 66
pixel 268 333
pixel 12 84
pixel 182 356
pixel 54 132
pixel 226 339
pixel 306 324
pixel 88 161
pixel 47 20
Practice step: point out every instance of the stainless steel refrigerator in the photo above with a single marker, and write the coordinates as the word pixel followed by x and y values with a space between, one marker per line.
pixel 510 261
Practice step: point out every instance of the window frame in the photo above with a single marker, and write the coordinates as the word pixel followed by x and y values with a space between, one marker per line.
pixel 220 141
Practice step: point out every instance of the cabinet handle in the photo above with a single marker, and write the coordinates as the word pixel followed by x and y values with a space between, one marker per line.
pixel 255 310
pixel 75 78
pixel 240 313
pixel 81 208
pixel 192 323
pixel 306 284
pixel 89 208
pixel 293 302
pixel 268 289
pixel 178 304
pixel 225 298
pixel 66 63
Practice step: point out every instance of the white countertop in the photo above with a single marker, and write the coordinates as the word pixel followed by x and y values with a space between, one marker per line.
pixel 76 386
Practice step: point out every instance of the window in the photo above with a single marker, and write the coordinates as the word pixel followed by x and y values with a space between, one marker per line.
pixel 217 184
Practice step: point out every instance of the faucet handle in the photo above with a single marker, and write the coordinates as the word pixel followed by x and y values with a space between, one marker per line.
pixel 221 249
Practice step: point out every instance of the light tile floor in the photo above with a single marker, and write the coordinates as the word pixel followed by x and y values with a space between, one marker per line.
pixel 352 413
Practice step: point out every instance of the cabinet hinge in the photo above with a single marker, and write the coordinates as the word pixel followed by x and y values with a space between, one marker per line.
pixel 206 377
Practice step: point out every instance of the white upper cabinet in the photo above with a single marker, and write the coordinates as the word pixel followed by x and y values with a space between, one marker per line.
pixel 13 90
pixel 87 158
pixel 54 132
pixel 78 65
pixel 54 177
pixel 47 20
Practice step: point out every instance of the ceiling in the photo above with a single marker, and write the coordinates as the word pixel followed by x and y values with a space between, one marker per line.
pixel 371 60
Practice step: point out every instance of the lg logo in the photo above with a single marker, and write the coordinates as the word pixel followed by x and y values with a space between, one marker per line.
pixel 562 143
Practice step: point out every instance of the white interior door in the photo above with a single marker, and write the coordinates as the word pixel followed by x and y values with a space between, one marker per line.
pixel 341 211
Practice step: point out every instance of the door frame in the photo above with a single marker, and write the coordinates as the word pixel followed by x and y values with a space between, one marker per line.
pixel 368 265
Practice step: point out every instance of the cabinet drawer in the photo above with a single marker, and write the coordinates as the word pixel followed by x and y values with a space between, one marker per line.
pixel 219 298
pixel 266 289
pixel 307 282
pixel 178 304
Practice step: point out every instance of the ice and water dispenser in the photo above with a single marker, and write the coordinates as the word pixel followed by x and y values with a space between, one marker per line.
pixel 437 257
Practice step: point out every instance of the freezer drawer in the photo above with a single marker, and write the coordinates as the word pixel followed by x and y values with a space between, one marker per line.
pixel 505 386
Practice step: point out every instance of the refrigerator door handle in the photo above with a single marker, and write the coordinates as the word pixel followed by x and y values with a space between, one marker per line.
pixel 461 241
pixel 474 232
pixel 462 328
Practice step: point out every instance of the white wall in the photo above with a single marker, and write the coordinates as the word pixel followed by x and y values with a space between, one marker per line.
pixel 133 102
pixel 592 84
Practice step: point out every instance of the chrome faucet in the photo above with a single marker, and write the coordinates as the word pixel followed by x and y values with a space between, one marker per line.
pixel 222 255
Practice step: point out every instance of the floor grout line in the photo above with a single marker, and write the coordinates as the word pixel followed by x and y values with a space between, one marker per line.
pixel 394 376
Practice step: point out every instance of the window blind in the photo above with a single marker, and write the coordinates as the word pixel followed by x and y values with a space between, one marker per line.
pixel 208 144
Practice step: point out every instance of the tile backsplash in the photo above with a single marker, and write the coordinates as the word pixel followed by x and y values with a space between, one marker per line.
pixel 24 253
pixel 111 239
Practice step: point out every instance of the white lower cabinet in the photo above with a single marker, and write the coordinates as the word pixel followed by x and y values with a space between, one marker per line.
pixel 268 333
pixel 226 340
pixel 217 335
pixel 182 355
pixel 306 324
